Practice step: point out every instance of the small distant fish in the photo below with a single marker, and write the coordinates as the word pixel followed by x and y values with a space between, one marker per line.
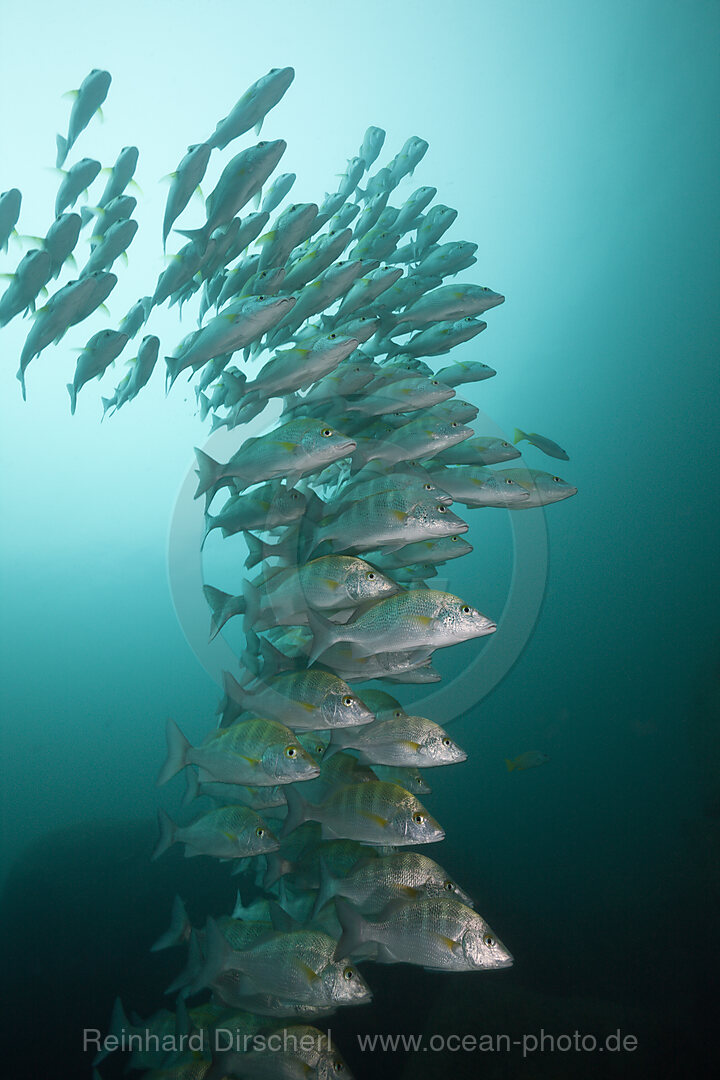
pixel 529 760
pixel 542 443
pixel 88 100
pixel 120 176
pixel 253 107
pixel 10 202
pixel 75 181
pixel 371 145
pixel 98 354
pixel 185 180
pixel 277 191
pixel 542 487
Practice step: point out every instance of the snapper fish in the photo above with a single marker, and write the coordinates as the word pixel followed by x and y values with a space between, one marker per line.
pixel 256 752
pixel 60 241
pixel 291 450
pixel 184 181
pixel 101 350
pixel 10 202
pixel 120 176
pixel 298 966
pixel 230 832
pixel 253 107
pixel 32 275
pixel 542 487
pixel 375 812
pixel 277 191
pixel 423 619
pixel 75 181
pixel 265 507
pixel 373 883
pixel 407 740
pixel 141 368
pixel 542 443
pixel 437 933
pixel 531 759
pixel 309 700
pixel 88 100
pixel 480 450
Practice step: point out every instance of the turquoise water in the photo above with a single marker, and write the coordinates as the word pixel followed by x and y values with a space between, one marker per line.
pixel 580 149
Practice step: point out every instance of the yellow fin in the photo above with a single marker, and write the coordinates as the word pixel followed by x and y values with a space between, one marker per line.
pixel 424 620
pixel 381 821
pixel 399 515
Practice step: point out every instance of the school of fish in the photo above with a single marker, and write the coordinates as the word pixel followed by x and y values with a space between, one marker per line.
pixel 339 315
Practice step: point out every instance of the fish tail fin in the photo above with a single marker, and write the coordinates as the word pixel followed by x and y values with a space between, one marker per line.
pixel 172 370
pixel 251 597
pixel 118 1023
pixel 62 151
pixel 277 867
pixel 354 929
pixel 519 435
pixel 198 236
pixel 192 789
pixel 223 607
pixel 208 470
pixel 251 653
pixel 177 752
pixel 179 929
pixel 73 397
pixel 186 979
pixel 107 403
pixel 204 403
pixel 297 810
pixel 86 215
pixel 209 526
pixel 217 954
pixel 323 632
pixel 255 550
pixel 335 745
pixel 234 691
pixel 167 834
pixel 326 890
pixel 509 765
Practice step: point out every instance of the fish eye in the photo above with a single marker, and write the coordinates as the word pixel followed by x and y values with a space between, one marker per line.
pixel 370 575
pixel 427 487
pixel 446 742
pixel 556 479
pixel 448 886
pixel 434 382
pixel 506 444
pixel 326 432
pixel 260 832
pixel 347 700
pixel 333 336
pixel 294 495
pixel 442 509
pixel 263 143
pixel 454 539
pixel 348 973
pixel 418 818
pixel 453 423
pixel 290 751
pixel 319 749
pixel 291 208
pixel 261 298
pixel 465 609
pixel 398 713
pixel 489 940
pixel 338 1066
pixel 508 480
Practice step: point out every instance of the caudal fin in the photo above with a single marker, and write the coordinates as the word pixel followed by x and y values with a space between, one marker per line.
pixel 219 955
pixel 519 435
pixel 209 472
pixel 119 1023
pixel 297 810
pixel 326 890
pixel 73 397
pixel 509 765
pixel 167 834
pixel 355 930
pixel 223 607
pixel 62 151
pixel 179 929
pixel 177 751
pixel 198 236
pixel 323 632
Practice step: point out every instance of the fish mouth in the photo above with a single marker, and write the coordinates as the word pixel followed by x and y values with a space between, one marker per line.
pixel 347 446
pixel 488 628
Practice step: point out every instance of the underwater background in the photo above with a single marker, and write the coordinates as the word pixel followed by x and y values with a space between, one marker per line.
pixel 580 147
